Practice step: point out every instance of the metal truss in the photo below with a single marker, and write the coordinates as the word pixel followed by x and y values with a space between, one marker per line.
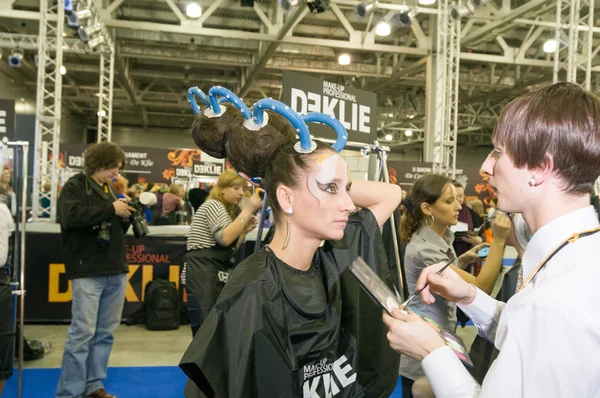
pixel 446 104
pixel 574 49
pixel 48 106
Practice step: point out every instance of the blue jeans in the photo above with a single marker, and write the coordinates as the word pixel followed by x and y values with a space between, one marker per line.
pixel 96 312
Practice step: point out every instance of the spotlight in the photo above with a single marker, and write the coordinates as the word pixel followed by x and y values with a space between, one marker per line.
pixel 344 59
pixel 408 133
pixel 383 29
pixel 74 19
pixel 550 46
pixel 15 59
pixel 193 10
pixel 426 2
pixel 318 6
pixel 101 113
pixel 388 137
pixel 460 11
pixel 95 42
pixel 390 115
pixel 287 5
pixel 62 70
pixel 85 34
pixel 366 8
pixel 404 18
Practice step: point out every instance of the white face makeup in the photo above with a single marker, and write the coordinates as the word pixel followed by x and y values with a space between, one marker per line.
pixel 331 176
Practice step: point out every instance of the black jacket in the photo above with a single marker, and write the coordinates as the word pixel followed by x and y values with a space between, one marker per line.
pixel 82 207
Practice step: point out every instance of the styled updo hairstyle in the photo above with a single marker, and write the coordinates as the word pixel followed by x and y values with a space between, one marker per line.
pixel 426 189
pixel 210 133
pixel 251 151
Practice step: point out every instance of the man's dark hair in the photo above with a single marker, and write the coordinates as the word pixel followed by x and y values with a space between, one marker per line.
pixel 105 155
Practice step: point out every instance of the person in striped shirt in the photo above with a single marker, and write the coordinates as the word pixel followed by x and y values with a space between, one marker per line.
pixel 218 228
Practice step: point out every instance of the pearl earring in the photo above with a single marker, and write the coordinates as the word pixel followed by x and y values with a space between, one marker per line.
pixel 289 211
pixel 532 182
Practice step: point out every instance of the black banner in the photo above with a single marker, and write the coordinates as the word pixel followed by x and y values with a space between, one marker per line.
pixel 7 119
pixel 476 183
pixel 356 109
pixel 48 295
pixel 155 165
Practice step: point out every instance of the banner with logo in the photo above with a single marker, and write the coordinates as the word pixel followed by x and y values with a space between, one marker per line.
pixel 476 183
pixel 355 108
pixel 48 295
pixel 155 165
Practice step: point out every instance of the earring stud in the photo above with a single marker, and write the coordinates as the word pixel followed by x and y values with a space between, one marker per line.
pixel 289 211
pixel 532 182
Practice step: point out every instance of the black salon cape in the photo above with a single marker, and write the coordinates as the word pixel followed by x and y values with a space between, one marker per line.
pixel 243 348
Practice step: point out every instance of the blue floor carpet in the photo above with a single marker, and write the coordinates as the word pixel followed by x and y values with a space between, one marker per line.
pixel 147 382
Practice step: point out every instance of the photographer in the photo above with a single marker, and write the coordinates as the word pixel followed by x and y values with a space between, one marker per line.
pixel 93 224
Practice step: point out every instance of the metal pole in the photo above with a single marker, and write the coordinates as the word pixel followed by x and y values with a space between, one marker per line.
pixel 24 156
pixel 386 178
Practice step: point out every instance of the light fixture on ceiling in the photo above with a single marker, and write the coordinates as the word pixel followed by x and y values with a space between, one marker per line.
pixel 390 115
pixel 317 6
pixel 95 42
pixel 15 59
pixel 287 5
pixel 344 59
pixel 383 28
pixel 459 11
pixel 550 46
pixel 404 18
pixel 388 137
pixel 86 33
pixel 62 70
pixel 426 2
pixel 74 19
pixel 365 8
pixel 193 10
pixel 408 133
pixel 101 113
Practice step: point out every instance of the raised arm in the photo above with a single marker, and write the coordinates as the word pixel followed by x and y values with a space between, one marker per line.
pixel 381 198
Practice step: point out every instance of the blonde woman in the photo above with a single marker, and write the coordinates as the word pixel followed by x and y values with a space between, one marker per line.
pixel 217 228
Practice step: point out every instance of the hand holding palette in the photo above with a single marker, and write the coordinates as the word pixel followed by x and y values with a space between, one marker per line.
pixel 388 300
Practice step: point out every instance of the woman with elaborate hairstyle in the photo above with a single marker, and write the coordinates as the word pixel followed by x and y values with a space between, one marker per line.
pixel 292 321
pixel 545 160
pixel 218 228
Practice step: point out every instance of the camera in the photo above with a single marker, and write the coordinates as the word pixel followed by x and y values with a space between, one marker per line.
pixel 138 222
pixel 103 237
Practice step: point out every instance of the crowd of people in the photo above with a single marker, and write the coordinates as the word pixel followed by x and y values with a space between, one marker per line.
pixel 292 320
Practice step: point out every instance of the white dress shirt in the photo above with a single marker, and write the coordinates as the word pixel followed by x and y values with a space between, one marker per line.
pixel 7 227
pixel 548 334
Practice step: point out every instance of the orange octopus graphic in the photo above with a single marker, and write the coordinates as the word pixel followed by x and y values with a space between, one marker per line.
pixel 184 157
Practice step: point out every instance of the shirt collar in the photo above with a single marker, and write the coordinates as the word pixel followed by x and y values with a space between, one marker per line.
pixel 548 237
pixel 430 236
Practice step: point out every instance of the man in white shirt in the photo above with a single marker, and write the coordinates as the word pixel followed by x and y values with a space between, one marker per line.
pixel 545 161
pixel 7 326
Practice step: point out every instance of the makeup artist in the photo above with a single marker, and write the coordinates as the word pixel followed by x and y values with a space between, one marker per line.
pixel 544 163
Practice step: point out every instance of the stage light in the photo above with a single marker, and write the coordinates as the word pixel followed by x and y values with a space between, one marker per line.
pixel 95 42
pixel 426 2
pixel 317 6
pixel 404 18
pixel 390 115
pixel 366 8
pixel 550 46
pixel 287 5
pixel 62 70
pixel 15 59
pixel 344 59
pixel 101 113
pixel 408 133
pixel 85 34
pixel 74 19
pixel 460 11
pixel 383 29
pixel 193 10
pixel 388 137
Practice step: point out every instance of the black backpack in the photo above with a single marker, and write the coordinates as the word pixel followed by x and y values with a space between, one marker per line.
pixel 161 305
